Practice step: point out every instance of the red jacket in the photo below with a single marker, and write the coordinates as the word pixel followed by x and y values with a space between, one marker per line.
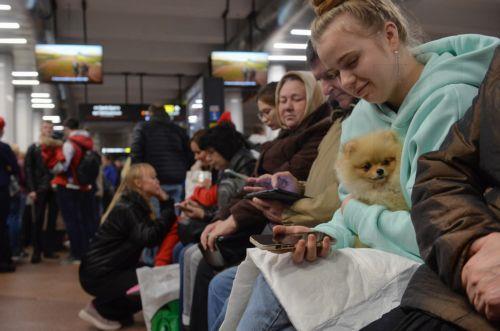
pixel 166 250
pixel 52 152
pixel 80 141
pixel 205 196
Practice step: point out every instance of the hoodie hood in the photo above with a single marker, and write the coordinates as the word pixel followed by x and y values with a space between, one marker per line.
pixel 462 59
pixel 314 94
pixel 82 138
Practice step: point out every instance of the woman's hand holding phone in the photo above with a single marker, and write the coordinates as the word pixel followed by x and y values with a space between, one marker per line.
pixel 283 180
pixel 258 184
pixel 192 209
pixel 272 210
pixel 304 249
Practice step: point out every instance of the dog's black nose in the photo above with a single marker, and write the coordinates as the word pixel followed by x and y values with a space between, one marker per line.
pixel 380 172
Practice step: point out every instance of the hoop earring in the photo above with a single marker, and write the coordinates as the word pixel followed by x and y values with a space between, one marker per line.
pixel 396 54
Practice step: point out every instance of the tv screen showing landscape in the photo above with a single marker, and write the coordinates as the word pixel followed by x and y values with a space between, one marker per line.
pixel 69 63
pixel 240 68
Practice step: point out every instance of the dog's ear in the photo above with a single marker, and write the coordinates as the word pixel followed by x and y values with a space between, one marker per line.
pixel 349 147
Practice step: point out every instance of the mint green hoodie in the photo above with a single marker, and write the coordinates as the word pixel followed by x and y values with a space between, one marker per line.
pixel 454 69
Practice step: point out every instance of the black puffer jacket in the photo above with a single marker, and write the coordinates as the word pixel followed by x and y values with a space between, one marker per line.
pixel 165 146
pixel 38 176
pixel 119 241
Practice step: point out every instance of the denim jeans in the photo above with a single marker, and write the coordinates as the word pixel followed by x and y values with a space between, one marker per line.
pixel 5 252
pixel 264 312
pixel 17 204
pixel 175 191
pixel 44 240
pixel 78 212
pixel 179 250
pixel 218 295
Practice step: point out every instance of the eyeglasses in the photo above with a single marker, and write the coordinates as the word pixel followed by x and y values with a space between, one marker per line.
pixel 261 115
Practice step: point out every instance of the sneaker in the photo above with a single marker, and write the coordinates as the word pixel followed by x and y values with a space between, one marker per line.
pixel 89 314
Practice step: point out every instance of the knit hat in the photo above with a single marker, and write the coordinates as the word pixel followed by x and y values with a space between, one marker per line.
pixel 2 123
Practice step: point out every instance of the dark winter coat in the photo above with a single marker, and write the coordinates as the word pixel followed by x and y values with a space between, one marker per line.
pixel 128 229
pixel 165 146
pixel 294 151
pixel 8 165
pixel 456 200
pixel 38 176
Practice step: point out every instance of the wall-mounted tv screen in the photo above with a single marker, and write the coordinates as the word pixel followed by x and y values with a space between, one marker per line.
pixel 240 68
pixel 69 63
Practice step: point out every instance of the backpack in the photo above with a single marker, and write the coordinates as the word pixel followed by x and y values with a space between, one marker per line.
pixel 88 168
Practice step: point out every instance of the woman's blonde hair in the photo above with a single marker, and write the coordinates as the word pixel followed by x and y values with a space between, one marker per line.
pixel 372 14
pixel 128 183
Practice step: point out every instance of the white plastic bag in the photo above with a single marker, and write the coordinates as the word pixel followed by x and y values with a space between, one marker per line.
pixel 158 286
pixel 345 291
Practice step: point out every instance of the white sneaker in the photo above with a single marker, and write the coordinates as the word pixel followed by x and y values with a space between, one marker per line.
pixel 91 315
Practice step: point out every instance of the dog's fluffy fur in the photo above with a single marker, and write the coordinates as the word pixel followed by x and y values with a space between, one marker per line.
pixel 368 166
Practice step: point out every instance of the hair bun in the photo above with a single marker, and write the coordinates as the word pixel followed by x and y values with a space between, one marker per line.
pixel 322 6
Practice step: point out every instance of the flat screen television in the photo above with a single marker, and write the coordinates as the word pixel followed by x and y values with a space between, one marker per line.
pixel 69 63
pixel 240 68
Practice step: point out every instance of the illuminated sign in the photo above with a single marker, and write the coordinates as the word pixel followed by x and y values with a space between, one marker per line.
pixel 173 110
pixel 112 112
pixel 107 111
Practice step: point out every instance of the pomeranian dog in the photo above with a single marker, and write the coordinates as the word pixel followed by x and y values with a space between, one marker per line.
pixel 368 166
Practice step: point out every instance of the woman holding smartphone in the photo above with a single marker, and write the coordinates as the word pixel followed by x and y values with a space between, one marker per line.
pixel 417 92
pixel 129 225
pixel 305 118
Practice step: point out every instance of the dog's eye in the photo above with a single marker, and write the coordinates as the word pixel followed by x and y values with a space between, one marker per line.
pixel 367 166
pixel 386 162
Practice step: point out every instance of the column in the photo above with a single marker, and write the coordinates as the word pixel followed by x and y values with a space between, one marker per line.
pixel 7 97
pixel 23 119
pixel 234 104
pixel 37 123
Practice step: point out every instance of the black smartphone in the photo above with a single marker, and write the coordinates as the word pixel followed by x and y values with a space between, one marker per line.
pixel 276 194
pixel 215 258
pixel 285 243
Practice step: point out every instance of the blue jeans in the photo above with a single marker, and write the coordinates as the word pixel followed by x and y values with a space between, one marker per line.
pixel 17 205
pixel 218 295
pixel 175 191
pixel 179 250
pixel 78 212
pixel 264 312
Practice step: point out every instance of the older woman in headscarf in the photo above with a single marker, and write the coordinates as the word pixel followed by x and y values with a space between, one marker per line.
pixel 305 118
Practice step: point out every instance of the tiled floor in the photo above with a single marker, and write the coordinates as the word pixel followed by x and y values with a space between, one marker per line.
pixel 45 297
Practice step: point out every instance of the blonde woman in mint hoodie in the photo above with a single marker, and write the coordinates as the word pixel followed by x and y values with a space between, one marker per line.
pixel 417 92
